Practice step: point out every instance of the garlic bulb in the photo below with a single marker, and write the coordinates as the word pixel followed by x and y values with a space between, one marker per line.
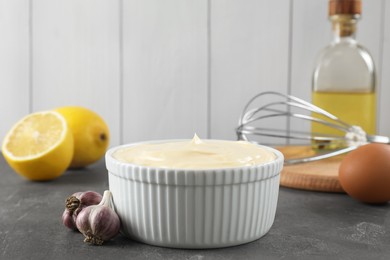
pixel 75 203
pixel 99 223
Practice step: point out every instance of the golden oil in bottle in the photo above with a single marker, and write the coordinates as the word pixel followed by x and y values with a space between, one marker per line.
pixel 353 108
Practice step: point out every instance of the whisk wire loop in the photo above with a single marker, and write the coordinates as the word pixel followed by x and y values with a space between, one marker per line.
pixel 291 107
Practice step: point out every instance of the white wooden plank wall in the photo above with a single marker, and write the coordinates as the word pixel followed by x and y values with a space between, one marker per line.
pixel 249 54
pixel 75 57
pixel 14 62
pixel 384 91
pixel 166 69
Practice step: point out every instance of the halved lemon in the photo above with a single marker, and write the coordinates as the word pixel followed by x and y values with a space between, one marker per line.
pixel 40 146
pixel 91 135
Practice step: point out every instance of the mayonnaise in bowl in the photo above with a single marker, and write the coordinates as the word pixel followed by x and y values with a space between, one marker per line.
pixel 195 154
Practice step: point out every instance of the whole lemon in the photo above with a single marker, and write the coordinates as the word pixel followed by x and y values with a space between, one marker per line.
pixel 40 146
pixel 90 134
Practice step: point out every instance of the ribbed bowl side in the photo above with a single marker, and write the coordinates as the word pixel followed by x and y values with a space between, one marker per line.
pixel 197 216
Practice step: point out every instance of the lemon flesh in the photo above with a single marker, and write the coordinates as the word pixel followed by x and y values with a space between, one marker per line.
pixel 40 146
pixel 90 134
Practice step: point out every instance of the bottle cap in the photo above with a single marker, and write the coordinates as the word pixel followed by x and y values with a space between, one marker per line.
pixel 349 7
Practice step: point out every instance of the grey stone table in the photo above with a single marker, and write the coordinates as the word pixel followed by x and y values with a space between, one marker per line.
pixel 308 225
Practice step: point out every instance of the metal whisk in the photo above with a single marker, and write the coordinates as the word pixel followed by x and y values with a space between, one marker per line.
pixel 277 105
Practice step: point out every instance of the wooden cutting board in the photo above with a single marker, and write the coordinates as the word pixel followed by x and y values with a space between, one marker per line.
pixel 320 175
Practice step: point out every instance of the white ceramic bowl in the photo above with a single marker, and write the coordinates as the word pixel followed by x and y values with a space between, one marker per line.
pixel 184 208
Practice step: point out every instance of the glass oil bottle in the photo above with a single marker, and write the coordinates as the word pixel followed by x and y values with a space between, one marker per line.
pixel 343 81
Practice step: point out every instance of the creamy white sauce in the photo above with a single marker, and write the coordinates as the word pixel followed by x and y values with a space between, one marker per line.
pixel 195 154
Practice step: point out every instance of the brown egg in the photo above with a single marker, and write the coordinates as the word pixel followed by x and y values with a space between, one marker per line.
pixel 365 173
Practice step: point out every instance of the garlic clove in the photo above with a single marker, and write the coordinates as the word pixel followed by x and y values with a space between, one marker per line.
pixel 99 223
pixel 67 219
